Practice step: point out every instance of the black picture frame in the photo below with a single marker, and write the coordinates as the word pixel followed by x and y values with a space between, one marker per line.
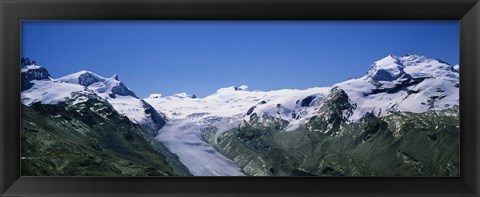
pixel 13 11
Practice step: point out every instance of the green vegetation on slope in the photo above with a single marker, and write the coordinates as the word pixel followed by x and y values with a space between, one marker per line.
pixel 90 139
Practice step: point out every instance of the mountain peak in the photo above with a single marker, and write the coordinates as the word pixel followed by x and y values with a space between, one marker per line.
pixel 85 72
pixel 389 59
pixel 386 69
pixel 155 95
pixel 181 95
pixel 393 67
pixel 30 71
pixel 82 72
pixel 83 77
pixel 27 64
pixel 232 89
pixel 242 87
pixel 25 61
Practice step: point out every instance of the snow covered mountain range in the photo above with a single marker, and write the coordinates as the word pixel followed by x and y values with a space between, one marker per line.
pixel 410 83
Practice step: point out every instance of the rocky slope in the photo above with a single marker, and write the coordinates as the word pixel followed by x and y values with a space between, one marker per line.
pixel 399 144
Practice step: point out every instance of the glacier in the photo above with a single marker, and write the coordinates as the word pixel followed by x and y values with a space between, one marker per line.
pixel 183 137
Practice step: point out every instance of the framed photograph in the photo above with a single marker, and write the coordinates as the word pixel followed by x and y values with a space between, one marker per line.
pixel 239 98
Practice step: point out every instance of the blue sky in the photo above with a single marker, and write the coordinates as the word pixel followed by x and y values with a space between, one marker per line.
pixel 199 57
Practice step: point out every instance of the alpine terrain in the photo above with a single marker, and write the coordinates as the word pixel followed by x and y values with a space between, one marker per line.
pixel 86 125
pixel 400 119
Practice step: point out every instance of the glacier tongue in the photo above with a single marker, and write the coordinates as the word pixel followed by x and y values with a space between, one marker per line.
pixel 183 137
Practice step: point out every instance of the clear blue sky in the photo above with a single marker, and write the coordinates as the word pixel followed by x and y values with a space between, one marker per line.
pixel 200 57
